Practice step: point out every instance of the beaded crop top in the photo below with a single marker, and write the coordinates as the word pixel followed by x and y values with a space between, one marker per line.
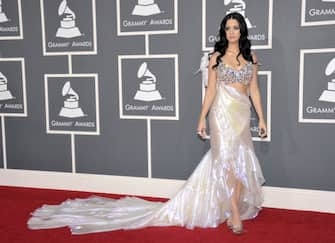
pixel 230 75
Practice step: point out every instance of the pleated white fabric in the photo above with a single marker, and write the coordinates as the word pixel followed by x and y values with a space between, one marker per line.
pixel 204 199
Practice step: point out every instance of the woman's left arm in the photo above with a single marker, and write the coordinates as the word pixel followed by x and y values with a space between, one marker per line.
pixel 256 98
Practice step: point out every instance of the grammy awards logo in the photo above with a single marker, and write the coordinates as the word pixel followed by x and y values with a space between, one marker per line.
pixel 328 95
pixel 240 7
pixel 5 94
pixel 71 107
pixel 146 8
pixel 67 28
pixel 3 17
pixel 147 90
pixel 318 11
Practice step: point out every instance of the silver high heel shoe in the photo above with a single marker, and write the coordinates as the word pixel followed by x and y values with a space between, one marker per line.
pixel 229 223
pixel 237 229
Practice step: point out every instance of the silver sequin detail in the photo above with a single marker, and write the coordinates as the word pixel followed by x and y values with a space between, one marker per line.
pixel 230 75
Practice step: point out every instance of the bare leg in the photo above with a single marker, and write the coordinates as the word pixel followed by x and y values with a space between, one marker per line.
pixel 234 222
pixel 235 219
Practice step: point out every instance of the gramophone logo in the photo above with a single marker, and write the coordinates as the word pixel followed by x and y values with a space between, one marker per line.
pixel 146 8
pixel 328 95
pixel 5 94
pixel 317 86
pixel 67 28
pixel 71 107
pixel 3 17
pixel 147 90
pixel 258 16
pixel 240 7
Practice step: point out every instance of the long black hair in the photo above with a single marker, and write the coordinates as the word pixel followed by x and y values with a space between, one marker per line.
pixel 244 43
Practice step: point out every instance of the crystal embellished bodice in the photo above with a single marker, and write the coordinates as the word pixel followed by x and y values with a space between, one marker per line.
pixel 230 75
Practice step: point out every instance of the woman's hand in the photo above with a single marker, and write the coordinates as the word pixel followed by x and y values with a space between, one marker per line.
pixel 201 130
pixel 262 130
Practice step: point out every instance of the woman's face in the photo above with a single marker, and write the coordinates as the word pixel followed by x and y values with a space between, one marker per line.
pixel 232 30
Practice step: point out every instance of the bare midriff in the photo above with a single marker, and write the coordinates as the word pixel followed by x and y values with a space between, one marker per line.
pixel 241 88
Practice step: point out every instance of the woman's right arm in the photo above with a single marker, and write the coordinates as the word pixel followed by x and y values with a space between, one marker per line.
pixel 209 96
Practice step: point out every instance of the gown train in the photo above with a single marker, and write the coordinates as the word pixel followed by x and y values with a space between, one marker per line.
pixel 203 200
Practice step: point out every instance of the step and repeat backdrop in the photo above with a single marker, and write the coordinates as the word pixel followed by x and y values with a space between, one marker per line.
pixel 112 87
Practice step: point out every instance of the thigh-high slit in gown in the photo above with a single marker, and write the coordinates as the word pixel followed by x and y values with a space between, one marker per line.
pixel 202 201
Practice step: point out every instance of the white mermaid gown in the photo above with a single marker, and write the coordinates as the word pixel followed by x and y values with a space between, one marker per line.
pixel 204 199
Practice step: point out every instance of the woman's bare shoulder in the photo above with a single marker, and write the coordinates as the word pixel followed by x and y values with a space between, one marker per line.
pixel 212 59
pixel 215 54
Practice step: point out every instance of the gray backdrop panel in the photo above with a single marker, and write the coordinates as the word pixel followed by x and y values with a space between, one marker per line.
pixel 300 155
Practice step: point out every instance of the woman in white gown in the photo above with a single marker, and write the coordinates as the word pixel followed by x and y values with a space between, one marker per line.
pixel 225 186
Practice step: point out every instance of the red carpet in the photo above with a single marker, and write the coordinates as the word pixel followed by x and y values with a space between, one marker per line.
pixel 272 225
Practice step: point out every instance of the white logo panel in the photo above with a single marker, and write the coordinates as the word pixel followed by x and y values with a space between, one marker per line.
pixel 68 27
pixel 72 104
pixel 317 86
pixel 264 79
pixel 317 12
pixel 138 17
pixel 12 87
pixel 10 20
pixel 148 87
pixel 259 25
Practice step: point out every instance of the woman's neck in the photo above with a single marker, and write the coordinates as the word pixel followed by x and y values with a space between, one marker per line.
pixel 233 48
